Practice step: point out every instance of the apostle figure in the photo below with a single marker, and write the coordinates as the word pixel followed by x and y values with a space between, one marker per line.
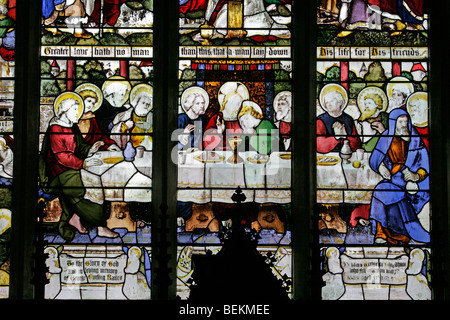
pixel 257 130
pixel 225 122
pixel 194 102
pixel 401 158
pixel 417 106
pixel 334 126
pixel 136 123
pixel 116 91
pixel 63 155
pixel 88 126
pixel 282 105
pixel 398 90
pixel 372 103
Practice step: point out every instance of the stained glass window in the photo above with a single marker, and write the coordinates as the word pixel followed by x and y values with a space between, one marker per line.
pixel 95 161
pixel 7 89
pixel 373 159
pixel 234 148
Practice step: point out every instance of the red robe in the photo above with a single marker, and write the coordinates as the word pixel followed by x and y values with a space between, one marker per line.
pixel 61 155
pixel 111 11
pixel 95 134
pixel 212 140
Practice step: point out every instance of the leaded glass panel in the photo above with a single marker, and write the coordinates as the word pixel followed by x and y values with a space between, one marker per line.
pixel 373 156
pixel 234 147
pixel 95 162
pixel 7 89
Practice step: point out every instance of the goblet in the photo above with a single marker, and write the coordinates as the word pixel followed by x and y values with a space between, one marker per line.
pixel 234 142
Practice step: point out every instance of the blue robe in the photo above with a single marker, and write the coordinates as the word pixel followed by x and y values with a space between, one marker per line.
pixel 48 6
pixel 196 135
pixel 392 205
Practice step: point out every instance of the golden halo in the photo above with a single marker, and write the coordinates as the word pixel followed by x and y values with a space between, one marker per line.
pixel 191 90
pixel 93 88
pixel 419 95
pixel 137 250
pixel 69 95
pixel 5 218
pixel 376 90
pixel 403 81
pixel 332 87
pixel 117 79
pixel 143 87
pixel 232 87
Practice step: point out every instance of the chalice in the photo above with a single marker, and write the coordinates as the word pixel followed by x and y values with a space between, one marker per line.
pixel 234 142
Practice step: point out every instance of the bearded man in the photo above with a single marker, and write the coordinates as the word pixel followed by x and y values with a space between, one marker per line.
pixel 401 158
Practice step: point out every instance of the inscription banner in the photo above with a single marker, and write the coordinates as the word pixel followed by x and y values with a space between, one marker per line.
pixel 97 51
pixel 234 52
pixel 372 53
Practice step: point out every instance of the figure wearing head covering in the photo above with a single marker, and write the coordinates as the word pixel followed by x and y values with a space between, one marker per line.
pixel 401 158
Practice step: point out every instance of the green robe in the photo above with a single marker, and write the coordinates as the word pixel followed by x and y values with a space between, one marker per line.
pixel 68 187
pixel 264 137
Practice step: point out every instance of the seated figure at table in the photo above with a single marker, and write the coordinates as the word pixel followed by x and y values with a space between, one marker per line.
pixel 62 157
pixel 116 91
pixel 194 101
pixel 417 106
pixel 257 131
pixel 398 90
pixel 335 126
pixel 282 105
pixel 225 123
pixel 87 125
pixel 372 103
pixel 401 158
pixel 136 123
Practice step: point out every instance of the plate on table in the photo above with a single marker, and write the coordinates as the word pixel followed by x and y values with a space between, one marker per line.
pixel 285 156
pixel 112 160
pixel 209 156
pixel 327 160
pixel 258 158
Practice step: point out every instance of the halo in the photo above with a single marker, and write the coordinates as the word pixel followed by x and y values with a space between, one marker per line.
pixel 143 87
pixel 368 90
pixel 333 87
pixel 232 86
pixel 69 95
pixel 419 95
pixel 398 81
pixel 277 97
pixel 93 88
pixel 191 90
pixel 5 217
pixel 137 250
pixel 117 79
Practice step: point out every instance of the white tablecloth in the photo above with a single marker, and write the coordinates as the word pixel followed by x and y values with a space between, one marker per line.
pixel 203 182
pixel 343 182
pixel 119 180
